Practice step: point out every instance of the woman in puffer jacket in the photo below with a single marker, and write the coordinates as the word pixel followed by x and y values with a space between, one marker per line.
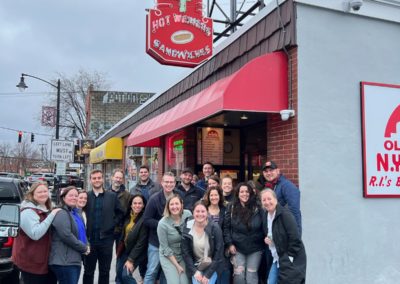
pixel 243 234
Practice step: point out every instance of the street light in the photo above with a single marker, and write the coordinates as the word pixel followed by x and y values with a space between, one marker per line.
pixel 22 86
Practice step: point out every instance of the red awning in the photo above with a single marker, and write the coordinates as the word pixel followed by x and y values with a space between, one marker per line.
pixel 259 86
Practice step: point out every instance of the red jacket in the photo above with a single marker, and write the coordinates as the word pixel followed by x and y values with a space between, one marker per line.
pixel 29 255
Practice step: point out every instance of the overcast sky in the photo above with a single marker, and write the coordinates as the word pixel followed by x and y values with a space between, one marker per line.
pixel 44 37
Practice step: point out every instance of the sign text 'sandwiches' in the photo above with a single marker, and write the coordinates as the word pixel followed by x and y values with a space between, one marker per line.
pixel 178 34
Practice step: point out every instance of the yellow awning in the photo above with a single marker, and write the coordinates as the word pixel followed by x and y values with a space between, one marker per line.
pixel 109 150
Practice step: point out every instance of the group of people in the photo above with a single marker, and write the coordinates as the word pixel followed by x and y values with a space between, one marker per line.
pixel 204 232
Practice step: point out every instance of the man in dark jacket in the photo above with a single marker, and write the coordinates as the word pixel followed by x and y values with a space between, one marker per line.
pixel 286 192
pixel 118 187
pixel 103 213
pixel 189 192
pixel 208 170
pixel 145 185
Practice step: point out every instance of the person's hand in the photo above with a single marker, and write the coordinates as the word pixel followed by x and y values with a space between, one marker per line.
pixel 180 269
pixel 232 249
pixel 198 276
pixel 268 241
pixel 204 280
pixel 55 211
pixel 129 266
pixel 87 252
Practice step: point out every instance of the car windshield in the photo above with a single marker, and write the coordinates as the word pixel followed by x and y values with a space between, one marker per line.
pixel 7 191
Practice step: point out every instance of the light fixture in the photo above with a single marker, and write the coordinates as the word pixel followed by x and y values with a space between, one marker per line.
pixel 244 116
pixel 354 5
pixel 286 114
pixel 21 85
pixel 73 133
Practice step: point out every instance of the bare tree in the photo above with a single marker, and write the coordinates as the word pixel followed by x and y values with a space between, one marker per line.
pixel 74 91
pixel 5 154
pixel 23 154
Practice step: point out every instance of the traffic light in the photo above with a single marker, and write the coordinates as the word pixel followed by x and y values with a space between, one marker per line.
pixel 32 137
pixel 19 136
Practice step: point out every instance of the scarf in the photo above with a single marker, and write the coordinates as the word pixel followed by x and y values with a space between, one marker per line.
pixel 271 184
pixel 131 223
pixel 81 226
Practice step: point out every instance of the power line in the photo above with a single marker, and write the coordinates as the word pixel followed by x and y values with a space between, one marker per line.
pixel 24 131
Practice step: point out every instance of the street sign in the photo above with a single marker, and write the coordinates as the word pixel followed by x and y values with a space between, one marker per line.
pixel 62 151
pixel 61 168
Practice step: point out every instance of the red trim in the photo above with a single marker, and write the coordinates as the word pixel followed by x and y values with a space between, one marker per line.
pixel 259 86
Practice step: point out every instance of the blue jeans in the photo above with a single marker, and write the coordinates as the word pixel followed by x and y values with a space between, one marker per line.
pixel 273 274
pixel 153 266
pixel 224 277
pixel 212 279
pixel 122 275
pixel 66 274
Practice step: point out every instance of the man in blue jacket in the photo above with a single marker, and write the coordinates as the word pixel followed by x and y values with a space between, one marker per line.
pixel 286 192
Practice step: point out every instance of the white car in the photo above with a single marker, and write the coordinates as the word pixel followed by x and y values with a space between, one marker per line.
pixel 49 177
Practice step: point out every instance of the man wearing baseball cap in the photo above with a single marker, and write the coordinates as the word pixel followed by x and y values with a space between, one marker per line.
pixel 286 192
pixel 190 193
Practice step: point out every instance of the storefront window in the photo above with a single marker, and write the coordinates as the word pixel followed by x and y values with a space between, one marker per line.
pixel 134 158
pixel 175 152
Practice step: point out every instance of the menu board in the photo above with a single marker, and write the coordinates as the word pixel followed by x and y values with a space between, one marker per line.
pixel 212 145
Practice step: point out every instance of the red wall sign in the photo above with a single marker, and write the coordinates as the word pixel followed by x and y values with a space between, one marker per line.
pixel 178 34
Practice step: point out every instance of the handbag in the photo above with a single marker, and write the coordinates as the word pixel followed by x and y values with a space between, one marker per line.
pixel 120 248
pixel 205 261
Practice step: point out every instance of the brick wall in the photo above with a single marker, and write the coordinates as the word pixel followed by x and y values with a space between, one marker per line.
pixel 282 136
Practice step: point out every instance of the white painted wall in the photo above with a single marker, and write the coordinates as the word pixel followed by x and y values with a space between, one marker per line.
pixel 348 239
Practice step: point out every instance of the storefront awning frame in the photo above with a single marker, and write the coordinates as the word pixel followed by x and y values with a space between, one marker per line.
pixel 259 86
pixel 109 150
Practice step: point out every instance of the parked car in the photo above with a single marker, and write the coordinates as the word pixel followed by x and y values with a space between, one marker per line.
pixel 12 175
pixel 48 177
pixel 62 181
pixel 11 191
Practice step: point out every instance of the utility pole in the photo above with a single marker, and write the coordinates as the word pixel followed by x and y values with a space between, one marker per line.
pixel 42 146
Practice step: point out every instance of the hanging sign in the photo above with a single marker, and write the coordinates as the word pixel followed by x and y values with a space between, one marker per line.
pixel 381 139
pixel 178 34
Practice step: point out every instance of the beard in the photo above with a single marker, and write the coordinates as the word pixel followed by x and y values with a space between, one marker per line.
pixel 99 187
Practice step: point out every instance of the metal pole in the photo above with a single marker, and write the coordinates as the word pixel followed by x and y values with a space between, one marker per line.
pixel 58 110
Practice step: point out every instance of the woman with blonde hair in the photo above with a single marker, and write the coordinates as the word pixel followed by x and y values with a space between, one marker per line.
pixel 81 204
pixel 32 246
pixel 284 242
pixel 170 236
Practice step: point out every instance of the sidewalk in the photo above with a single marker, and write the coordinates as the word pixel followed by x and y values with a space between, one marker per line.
pixel 112 271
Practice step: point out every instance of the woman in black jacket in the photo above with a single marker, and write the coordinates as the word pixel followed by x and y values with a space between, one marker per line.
pixel 132 249
pixel 214 201
pixel 202 246
pixel 287 249
pixel 243 234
